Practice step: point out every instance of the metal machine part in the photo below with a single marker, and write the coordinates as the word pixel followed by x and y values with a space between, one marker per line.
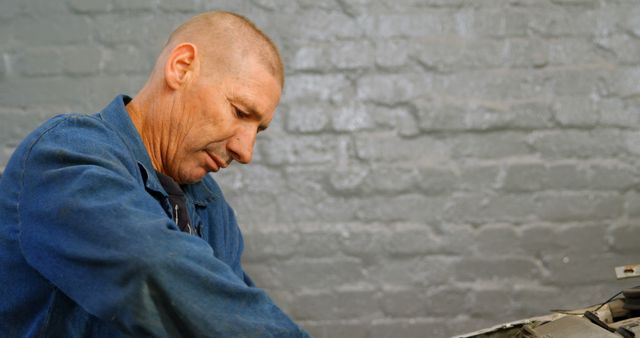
pixel 627 271
pixel 614 320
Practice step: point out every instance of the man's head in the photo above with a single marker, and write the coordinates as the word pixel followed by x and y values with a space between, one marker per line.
pixel 215 85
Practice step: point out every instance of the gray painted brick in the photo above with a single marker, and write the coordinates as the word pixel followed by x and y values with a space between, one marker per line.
pixel 298 207
pixel 457 300
pixel 391 179
pixel 319 243
pixel 498 240
pixel 10 9
pixel 405 303
pixel 350 55
pixel 412 241
pixel 38 62
pixel 581 269
pixel 320 25
pixel 259 178
pixel 419 24
pixel 592 236
pixel 363 240
pixel 435 166
pixel 507 268
pixel 350 117
pixel 316 87
pixel 482 208
pixel 499 85
pixel 632 142
pixel 630 20
pixel 81 60
pixel 334 305
pixel 180 5
pixel 536 176
pixel 308 198
pixel 348 179
pixel 125 59
pixel 255 208
pixel 300 149
pixel 575 112
pixel 578 144
pixel 391 53
pixel 613 176
pixel 405 122
pixel 478 177
pixel 134 5
pixel 455 238
pixel 534 301
pixel 525 177
pixel 570 176
pixel 320 273
pixel 439 115
pixel 384 146
pixel 574 51
pixel 540 238
pixel 406 207
pixel 624 238
pixel 526 52
pixel 262 273
pixel 563 207
pixel 90 6
pixel 392 88
pixel 414 271
pixel 310 58
pixel 632 204
pixel 623 47
pixel 130 28
pixel 574 2
pixel 622 83
pixel 51 30
pixel 51 91
pixel 490 145
pixel 272 244
pixel 434 180
pixel 330 329
pixel 16 125
pixel 6 39
pixel 562 23
pixel 407 328
pixel 38 8
pixel 488 301
pixel 615 113
pixel 4 66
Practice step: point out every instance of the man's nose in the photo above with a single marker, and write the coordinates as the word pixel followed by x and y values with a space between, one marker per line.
pixel 240 146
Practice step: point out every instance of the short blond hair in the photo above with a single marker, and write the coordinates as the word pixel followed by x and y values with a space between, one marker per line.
pixel 231 30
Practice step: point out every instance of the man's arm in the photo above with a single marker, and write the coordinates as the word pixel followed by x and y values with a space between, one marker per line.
pixel 91 229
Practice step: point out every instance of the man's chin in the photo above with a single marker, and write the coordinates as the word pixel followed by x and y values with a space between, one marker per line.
pixel 193 178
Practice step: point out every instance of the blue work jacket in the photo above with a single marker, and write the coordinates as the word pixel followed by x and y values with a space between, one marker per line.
pixel 89 248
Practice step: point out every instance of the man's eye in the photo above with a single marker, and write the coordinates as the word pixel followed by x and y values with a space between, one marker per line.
pixel 239 113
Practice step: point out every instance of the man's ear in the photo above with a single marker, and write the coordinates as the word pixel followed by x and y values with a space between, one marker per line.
pixel 181 65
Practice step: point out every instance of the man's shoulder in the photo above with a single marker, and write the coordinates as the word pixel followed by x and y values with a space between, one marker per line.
pixel 73 131
pixel 75 124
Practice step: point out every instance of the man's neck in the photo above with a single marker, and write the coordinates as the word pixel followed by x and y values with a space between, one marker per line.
pixel 138 112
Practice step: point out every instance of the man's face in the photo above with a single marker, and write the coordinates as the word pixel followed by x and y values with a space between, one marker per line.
pixel 217 120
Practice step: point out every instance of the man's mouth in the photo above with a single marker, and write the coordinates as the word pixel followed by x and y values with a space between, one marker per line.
pixel 218 163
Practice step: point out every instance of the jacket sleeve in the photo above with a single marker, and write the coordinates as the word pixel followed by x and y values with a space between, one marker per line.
pixel 91 229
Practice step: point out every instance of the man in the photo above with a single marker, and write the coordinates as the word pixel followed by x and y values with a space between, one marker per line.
pixel 109 223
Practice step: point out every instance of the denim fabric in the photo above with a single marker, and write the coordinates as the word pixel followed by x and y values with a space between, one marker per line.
pixel 89 248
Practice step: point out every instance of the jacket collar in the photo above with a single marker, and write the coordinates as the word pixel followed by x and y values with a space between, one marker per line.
pixel 116 114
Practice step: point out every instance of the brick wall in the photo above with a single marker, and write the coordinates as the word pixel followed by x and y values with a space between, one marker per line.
pixel 435 167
